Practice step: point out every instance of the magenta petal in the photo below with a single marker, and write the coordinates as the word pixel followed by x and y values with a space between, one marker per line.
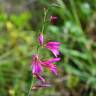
pixel 39 77
pixel 53 69
pixel 53 47
pixel 36 65
pixel 55 52
pixel 37 68
pixel 41 39
pixel 50 61
pixel 53 43
pixel 48 64
pixel 53 60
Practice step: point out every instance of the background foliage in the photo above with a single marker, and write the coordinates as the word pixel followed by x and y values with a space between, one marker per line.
pixel 20 24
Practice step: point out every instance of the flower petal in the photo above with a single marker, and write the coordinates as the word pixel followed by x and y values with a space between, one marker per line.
pixel 53 69
pixel 53 44
pixel 53 60
pixel 53 47
pixel 48 64
pixel 37 68
pixel 36 65
pixel 39 77
pixel 55 52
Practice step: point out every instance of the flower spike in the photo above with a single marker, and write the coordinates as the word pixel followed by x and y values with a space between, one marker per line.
pixel 37 66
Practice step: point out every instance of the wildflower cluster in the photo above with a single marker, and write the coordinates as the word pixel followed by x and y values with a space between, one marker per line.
pixel 38 64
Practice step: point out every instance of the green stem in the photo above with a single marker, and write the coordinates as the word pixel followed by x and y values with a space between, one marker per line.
pixel 31 86
pixel 44 20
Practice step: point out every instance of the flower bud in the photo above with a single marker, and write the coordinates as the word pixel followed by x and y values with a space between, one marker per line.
pixel 41 39
pixel 54 19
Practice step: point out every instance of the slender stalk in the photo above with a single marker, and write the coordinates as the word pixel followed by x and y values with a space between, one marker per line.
pixel 38 47
pixel 31 86
pixel 44 20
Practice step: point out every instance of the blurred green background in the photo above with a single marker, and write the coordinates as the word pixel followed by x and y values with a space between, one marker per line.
pixel 21 22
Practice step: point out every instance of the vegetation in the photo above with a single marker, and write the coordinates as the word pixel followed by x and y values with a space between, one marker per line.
pixel 20 24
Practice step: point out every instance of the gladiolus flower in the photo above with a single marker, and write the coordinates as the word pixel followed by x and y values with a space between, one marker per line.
pixel 49 64
pixel 53 47
pixel 37 68
pixel 41 39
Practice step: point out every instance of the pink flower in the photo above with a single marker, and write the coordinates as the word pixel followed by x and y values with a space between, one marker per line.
pixel 41 39
pixel 49 64
pixel 37 66
pixel 53 47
